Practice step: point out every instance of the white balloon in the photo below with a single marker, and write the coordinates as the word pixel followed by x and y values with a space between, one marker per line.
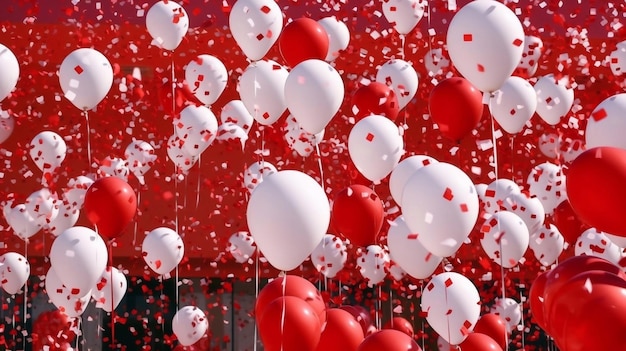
pixel 232 132
pixel 256 172
pixel 617 61
pixel 14 272
pixel 114 167
pixel 20 220
pixel 528 208
pixel 86 76
pixel 404 15
pixel 572 149
pixel 197 127
pixel 435 62
pixel 314 92
pixel 48 150
pixel 7 123
pixel 70 302
pixel 241 246
pixel 373 264
pixel 401 77
pixel 554 98
pixel 452 306
pixel 443 345
pixel 396 272
pixel 43 206
pixel 594 243
pixel 403 171
pixel 76 189
pixel 330 256
pixel 206 77
pixel 141 157
pixel 338 36
pixel 408 252
pixel 529 63
pixel 481 189
pixel 513 104
pixel 65 219
pixel 549 145
pixel 440 203
pixel 547 182
pixel 262 90
pixel 547 244
pixel 255 25
pixel 300 140
pixel 375 146
pixel 189 325
pixel 505 238
pixel 606 122
pixel 79 256
pixel 179 154
pixel 9 71
pixel 110 289
pixel 288 215
pixel 497 191
pixel 509 310
pixel 162 249
pixel 617 240
pixel 485 42
pixel 167 23
pixel 235 111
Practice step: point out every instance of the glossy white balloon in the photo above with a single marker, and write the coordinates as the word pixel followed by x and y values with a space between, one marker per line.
pixel 162 250
pixel 262 90
pixel 178 154
pixel 330 256
pixel 76 189
pixel 300 140
pixel 241 246
pixel 197 127
pixel 167 23
pixel 66 218
pixel 86 76
pixel 594 243
pixel 547 244
pixel 606 123
pixel 547 182
pixel 554 98
pixel 338 36
pixel 256 172
pixel 373 264
pixel 408 252
pixel 255 26
pixel 528 208
pixel 404 15
pixel 206 77
pixel 48 150
pixel 189 325
pixel 505 238
pixel 9 71
pixel 509 310
pixel 436 62
pixel 43 206
pixel 140 156
pixel 70 302
pixel 403 171
pixel 235 111
pixel 114 167
pixel 14 272
pixel 497 191
pixel 228 132
pixel 110 289
pixel 20 220
pixel 401 77
pixel 513 104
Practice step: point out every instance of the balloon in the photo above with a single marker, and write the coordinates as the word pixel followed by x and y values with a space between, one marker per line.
pixel 341 332
pixel 547 244
pixel 329 256
pixel 456 106
pixel 408 252
pixel 497 192
pixel 361 315
pixel 375 146
pixel 396 272
pixel 401 77
pixel 298 139
pixel 597 177
pixel 436 63
pixel 197 128
pixel 235 111
pixel 549 145
pixel 241 246
pixel 508 309
pixel 528 208
pixel 404 15
pixel 189 325
pixel 338 36
pixel 314 92
pixel 494 326
pixel 43 206
pixel 375 99
pixel 617 61
pixel 479 342
pixel 7 122
pixel 256 172
pixel 513 104
pixel 554 98
pixel 505 238
pixel 452 305
pixel 206 76
pixel 373 264
pixel 52 329
pixel 605 122
pixel 76 189
pixel 255 26
pixel 594 243
pixel 440 204
pixel 69 301
pixel 536 299
pixel 357 214
pixel 288 215
pixel 400 324
pixel 485 41
pixel 110 205
pixel 262 90
pixel 529 63
pixel 48 150
pixel 162 249
pixel 568 222
pixel 389 340
pixel 167 23
pixel 303 30
pixel 289 324
pixel 547 182
pixel 65 219
pixel 141 157
pixel 177 152
pixel 9 70
pixel 14 272
pixel 110 289
pixel 21 221
pixel 443 345
pixel 114 167
pixel 232 132
pixel 403 171
pixel 79 256
pixel 291 285
pixel 86 77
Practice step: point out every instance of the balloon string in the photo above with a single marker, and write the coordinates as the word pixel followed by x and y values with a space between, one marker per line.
pixel 136 224
pixel 112 307
pixel 176 169
pixel 256 295
pixel 173 83
pixel 79 326
pixel 495 148
pixel 319 164
pixel 445 291
pixel 391 305
pixel 199 180
pixel 513 158
pixel 502 273
pixel 282 314
pixel 379 308
pixel 423 329
pixel 86 114
pixel 25 297
pixel 521 305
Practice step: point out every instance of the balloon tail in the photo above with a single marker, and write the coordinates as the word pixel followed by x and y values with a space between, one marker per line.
pixel 494 140
pixel 319 164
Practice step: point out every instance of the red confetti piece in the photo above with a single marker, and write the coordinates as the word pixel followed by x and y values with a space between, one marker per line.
pixel 78 69
pixel 517 42
pixel 448 194
pixel 467 37
pixel 369 137
pixel 448 282
pixel 599 115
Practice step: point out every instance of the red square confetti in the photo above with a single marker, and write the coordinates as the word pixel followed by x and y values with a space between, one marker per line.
pixel 448 194
pixel 259 37
pixel 412 236
pixel 490 193
pixel 78 69
pixel 369 137
pixel 599 115
pixel 393 9
pixel 467 37
pixel 448 282
pixel 265 9
pixel 480 68
pixel 430 286
pixel 517 42
pixel 464 208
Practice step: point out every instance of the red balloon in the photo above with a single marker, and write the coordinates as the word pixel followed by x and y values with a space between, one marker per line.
pixel 110 205
pixel 375 99
pixel 294 286
pixel 341 333
pixel 361 315
pixel 568 223
pixel 588 313
pixel 52 329
pixel 535 299
pixel 301 40
pixel 596 191
pixel 389 340
pixel 494 327
pixel 358 214
pixel 456 106
pixel 289 324
pixel 479 342
pixel 400 324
